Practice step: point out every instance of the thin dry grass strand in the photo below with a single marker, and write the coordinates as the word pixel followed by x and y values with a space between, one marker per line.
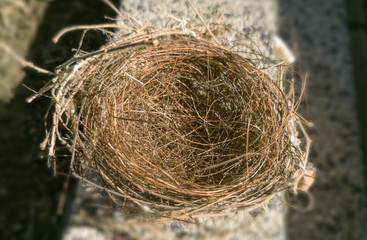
pixel 113 7
pixel 87 27
pixel 204 23
pixel 21 60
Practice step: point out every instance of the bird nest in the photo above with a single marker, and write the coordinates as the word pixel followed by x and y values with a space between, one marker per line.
pixel 177 125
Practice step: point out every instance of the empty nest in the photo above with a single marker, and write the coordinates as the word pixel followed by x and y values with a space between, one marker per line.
pixel 177 125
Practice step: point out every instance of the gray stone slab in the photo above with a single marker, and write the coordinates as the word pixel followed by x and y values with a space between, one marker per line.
pixel 318 35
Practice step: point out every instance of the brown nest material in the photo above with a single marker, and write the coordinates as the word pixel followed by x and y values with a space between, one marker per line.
pixel 177 124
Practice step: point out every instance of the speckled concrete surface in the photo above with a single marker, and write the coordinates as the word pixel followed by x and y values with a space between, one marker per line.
pixel 91 218
pixel 317 33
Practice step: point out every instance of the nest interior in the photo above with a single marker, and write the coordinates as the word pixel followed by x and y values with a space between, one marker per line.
pixel 177 124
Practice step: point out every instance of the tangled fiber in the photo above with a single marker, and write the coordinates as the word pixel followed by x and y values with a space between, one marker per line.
pixel 177 125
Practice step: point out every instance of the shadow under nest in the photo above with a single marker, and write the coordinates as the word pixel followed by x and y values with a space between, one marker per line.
pixel 176 125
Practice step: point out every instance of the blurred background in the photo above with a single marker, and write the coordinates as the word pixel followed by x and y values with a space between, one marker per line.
pixel 329 39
